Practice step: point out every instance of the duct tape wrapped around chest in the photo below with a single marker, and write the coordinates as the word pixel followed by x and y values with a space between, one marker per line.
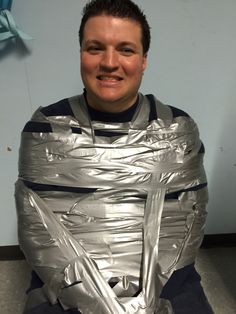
pixel 126 218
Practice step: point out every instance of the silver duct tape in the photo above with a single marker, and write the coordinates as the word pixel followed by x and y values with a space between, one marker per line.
pixel 85 166
pixel 124 231
pixel 72 261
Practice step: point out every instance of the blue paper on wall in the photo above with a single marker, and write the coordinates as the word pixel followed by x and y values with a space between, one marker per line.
pixel 8 27
pixel 5 4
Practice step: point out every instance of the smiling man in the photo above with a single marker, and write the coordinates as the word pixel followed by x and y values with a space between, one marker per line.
pixel 112 192
pixel 112 63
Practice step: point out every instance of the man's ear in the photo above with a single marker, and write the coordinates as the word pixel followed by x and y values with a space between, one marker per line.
pixel 144 65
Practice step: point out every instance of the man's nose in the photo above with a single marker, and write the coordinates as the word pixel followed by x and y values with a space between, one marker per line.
pixel 110 60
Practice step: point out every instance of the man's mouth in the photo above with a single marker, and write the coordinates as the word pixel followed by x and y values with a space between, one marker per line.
pixel 109 78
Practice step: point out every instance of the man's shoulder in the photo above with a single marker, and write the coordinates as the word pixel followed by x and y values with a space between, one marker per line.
pixel 154 103
pixel 178 112
pixel 59 108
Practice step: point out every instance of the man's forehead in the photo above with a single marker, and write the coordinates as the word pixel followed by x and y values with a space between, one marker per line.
pixel 113 17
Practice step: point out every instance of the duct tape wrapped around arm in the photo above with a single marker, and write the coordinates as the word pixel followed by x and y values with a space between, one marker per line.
pixel 101 229
pixel 8 27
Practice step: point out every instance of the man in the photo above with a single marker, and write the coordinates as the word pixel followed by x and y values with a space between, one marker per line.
pixel 111 193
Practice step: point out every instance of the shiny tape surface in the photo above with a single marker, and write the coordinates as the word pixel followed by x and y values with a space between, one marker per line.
pixel 124 232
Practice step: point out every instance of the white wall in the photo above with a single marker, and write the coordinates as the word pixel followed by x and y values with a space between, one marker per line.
pixel 191 66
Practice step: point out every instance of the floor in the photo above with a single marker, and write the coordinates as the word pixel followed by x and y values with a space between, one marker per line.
pixel 216 266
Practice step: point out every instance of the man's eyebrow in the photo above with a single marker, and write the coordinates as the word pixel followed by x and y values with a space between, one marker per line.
pixel 97 42
pixel 127 43
pixel 93 41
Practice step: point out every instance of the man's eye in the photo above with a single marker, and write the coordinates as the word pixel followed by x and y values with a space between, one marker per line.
pixel 94 49
pixel 127 51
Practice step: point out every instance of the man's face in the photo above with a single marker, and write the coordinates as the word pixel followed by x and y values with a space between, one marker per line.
pixel 112 62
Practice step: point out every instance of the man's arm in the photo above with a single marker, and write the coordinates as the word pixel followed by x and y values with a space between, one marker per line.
pixel 60 261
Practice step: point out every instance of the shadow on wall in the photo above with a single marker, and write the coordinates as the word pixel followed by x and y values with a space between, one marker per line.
pixel 222 180
pixel 222 188
pixel 14 47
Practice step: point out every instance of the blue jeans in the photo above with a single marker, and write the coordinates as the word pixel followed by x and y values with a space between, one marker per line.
pixel 183 290
pixel 190 301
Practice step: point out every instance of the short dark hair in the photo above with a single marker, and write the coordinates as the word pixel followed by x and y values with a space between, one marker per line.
pixel 117 8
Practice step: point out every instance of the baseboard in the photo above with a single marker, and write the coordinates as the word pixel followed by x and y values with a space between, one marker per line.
pixel 219 240
pixel 13 252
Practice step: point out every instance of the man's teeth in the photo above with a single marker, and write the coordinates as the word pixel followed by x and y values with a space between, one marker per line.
pixel 108 78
